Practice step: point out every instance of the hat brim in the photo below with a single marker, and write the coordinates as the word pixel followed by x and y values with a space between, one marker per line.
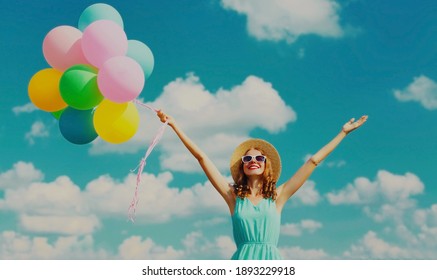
pixel 268 149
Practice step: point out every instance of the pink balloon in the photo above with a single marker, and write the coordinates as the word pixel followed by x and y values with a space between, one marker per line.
pixel 102 40
pixel 62 47
pixel 121 79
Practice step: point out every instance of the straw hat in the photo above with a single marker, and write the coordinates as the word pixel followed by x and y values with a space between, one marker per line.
pixel 269 151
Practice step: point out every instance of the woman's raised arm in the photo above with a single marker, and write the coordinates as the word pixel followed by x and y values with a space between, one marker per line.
pixel 215 177
pixel 286 190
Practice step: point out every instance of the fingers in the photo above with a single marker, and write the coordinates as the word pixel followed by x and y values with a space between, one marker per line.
pixel 363 119
pixel 161 115
pixel 360 120
pixel 352 124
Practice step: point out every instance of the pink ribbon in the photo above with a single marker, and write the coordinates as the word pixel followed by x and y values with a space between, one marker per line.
pixel 143 162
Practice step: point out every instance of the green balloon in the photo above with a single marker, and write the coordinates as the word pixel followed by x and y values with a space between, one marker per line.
pixel 78 87
pixel 57 114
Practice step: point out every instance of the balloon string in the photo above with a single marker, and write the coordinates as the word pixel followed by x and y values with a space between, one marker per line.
pixel 145 105
pixel 143 162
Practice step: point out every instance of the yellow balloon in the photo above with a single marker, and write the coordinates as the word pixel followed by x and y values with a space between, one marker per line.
pixel 116 122
pixel 44 91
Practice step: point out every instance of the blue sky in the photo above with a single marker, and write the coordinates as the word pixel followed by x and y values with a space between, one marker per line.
pixel 291 72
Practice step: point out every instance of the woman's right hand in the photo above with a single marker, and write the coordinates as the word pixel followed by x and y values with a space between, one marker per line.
pixel 164 117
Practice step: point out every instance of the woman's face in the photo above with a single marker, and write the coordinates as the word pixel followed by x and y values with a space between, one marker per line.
pixel 254 167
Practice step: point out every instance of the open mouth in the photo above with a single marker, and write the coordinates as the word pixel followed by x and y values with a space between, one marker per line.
pixel 253 167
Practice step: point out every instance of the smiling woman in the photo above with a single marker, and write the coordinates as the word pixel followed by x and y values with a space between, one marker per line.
pixel 254 201
pixel 256 222
pixel 255 158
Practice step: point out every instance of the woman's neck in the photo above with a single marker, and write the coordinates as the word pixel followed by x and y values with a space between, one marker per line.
pixel 255 184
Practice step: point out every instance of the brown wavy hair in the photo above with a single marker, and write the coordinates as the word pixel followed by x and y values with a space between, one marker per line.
pixel 268 190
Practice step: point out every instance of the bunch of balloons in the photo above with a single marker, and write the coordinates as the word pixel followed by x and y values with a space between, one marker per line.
pixel 96 73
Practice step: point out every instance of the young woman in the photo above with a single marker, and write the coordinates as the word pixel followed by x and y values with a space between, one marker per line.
pixel 255 202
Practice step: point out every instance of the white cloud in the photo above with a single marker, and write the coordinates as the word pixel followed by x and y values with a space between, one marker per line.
pixel 372 247
pixel 217 122
pixel 68 225
pixel 210 222
pixel 422 90
pixel 428 237
pixel 360 192
pixel 21 175
pixel 38 130
pixel 194 246
pixel 157 201
pixel 310 225
pixel 225 246
pixel 405 234
pixel 60 197
pixel 387 186
pixel 40 204
pixel 411 231
pixel 136 248
pixel 399 187
pixel 301 53
pixel 426 217
pixel 291 229
pixel 277 20
pixel 298 229
pixel 385 211
pixel 55 207
pixel 387 198
pixel 426 220
pixel 15 246
pixel 27 108
pixel 336 163
pixel 307 194
pixel 197 246
pixel 297 253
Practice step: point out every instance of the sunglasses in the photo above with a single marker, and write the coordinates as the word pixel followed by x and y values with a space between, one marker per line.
pixel 258 158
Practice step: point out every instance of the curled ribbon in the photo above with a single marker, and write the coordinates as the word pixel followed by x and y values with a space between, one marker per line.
pixel 143 162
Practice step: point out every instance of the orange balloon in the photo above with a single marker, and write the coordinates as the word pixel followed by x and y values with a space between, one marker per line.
pixel 44 91
pixel 116 122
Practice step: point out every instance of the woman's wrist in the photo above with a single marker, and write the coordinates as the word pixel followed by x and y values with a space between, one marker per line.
pixel 173 124
pixel 314 161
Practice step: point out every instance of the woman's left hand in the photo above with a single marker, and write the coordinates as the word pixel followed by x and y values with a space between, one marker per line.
pixel 351 125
